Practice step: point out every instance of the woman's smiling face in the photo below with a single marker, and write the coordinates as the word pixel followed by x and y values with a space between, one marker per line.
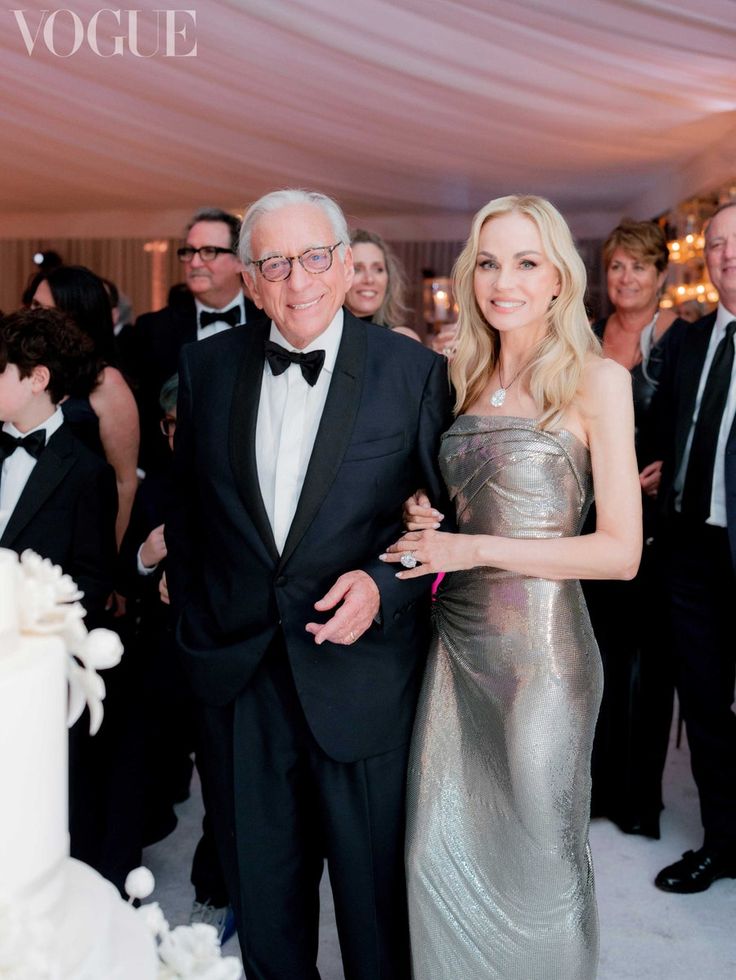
pixel 370 283
pixel 514 281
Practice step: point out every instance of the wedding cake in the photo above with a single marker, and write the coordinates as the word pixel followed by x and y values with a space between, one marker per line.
pixel 59 919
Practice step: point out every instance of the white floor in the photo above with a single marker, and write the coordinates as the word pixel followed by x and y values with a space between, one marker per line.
pixel 645 934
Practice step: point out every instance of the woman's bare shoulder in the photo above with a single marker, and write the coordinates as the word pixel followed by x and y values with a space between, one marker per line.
pixel 605 392
pixel 602 376
pixel 112 378
pixel 112 389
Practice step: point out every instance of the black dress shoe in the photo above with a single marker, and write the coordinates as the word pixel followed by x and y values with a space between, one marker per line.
pixel 696 872
pixel 642 826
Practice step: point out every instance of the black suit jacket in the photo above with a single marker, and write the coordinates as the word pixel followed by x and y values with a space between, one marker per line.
pixel 67 513
pixel 684 348
pixel 153 357
pixel 149 511
pixel 378 440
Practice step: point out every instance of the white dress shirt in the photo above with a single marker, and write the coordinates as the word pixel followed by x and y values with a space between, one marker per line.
pixel 718 494
pixel 141 568
pixel 18 467
pixel 219 325
pixel 289 413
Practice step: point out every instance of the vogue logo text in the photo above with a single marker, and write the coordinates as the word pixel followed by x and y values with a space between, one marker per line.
pixel 107 33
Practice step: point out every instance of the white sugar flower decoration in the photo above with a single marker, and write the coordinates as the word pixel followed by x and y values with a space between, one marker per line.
pixel 86 687
pixel 154 919
pixel 101 649
pixel 49 605
pixel 186 952
pixel 193 953
pixel 139 883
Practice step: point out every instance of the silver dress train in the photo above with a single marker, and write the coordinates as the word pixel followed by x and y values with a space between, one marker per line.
pixel 498 865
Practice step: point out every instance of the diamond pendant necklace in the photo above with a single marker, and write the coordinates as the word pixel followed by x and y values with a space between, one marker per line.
pixel 499 395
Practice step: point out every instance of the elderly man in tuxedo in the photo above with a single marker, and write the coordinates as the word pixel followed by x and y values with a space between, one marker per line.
pixel 297 442
pixel 694 411
pixel 212 301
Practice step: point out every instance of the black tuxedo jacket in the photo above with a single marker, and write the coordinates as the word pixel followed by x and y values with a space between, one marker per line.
pixel 378 441
pixel 67 513
pixel 153 357
pixel 684 347
pixel 149 511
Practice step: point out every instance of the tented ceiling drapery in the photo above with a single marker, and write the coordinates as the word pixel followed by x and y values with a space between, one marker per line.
pixel 412 113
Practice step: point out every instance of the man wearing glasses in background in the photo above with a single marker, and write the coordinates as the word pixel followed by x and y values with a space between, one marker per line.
pixel 211 300
pixel 297 442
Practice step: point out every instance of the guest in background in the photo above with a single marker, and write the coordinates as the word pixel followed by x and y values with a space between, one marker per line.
pixel 379 287
pixel 629 618
pixel 694 412
pixel 102 413
pixel 49 261
pixel 211 300
pixel 168 704
pixel 122 326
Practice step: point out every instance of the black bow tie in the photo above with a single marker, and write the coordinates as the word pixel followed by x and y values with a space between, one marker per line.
pixel 280 358
pixel 231 316
pixel 33 443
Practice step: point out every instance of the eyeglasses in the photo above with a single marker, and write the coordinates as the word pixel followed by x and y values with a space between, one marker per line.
pixel 168 426
pixel 207 253
pixel 276 268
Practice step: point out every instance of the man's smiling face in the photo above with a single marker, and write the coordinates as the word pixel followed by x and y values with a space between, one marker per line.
pixel 304 305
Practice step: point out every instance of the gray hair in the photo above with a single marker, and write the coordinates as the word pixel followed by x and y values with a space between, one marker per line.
pixel 169 393
pixel 217 214
pixel 287 198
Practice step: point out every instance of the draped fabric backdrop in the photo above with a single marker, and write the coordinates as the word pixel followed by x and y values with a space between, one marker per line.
pixel 412 113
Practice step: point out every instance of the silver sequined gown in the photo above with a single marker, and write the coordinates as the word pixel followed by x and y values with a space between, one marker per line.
pixel 498 865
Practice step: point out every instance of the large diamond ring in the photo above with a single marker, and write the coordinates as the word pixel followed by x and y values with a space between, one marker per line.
pixel 408 560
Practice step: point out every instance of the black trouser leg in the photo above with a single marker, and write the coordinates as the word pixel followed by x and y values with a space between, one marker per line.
pixel 294 807
pixel 278 830
pixel 703 589
pixel 364 819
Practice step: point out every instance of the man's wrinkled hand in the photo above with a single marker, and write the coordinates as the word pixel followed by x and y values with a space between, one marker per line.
pixel 360 601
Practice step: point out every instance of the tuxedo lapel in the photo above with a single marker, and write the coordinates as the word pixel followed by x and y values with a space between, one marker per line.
pixel 335 430
pixel 243 418
pixel 52 466
pixel 692 357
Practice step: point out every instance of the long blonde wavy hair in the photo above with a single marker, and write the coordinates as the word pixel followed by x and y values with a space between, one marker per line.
pixel 556 370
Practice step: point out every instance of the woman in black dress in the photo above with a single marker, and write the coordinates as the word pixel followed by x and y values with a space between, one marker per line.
pixel 629 618
pixel 104 414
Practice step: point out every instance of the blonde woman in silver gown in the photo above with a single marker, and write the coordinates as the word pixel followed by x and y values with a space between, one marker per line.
pixel 500 882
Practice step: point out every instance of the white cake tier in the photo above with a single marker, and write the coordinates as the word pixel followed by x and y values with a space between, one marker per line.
pixel 8 600
pixel 33 769
pixel 96 935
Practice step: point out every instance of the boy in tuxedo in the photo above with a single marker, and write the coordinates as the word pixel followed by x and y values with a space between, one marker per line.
pixel 59 499
pixel 56 496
